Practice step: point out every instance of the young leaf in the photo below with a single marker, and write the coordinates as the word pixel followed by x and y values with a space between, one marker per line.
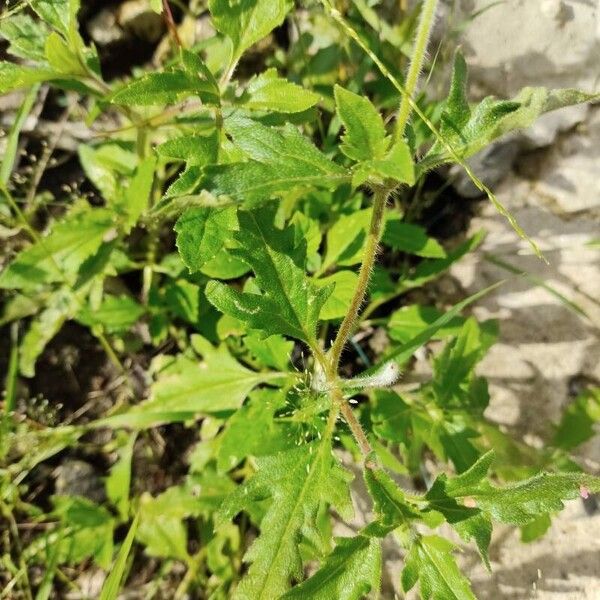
pixel 350 572
pixel 269 92
pixel 14 77
pixel 337 304
pixel 298 481
pixel 290 303
pixel 247 22
pixel 397 165
pixel 364 137
pixel 578 421
pixel 430 562
pixel 116 314
pixel 136 197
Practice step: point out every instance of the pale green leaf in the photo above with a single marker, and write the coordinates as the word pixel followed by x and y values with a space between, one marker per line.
pixel 346 238
pixel 61 56
pixel 193 149
pixel 112 584
pixel 13 77
pixel 116 314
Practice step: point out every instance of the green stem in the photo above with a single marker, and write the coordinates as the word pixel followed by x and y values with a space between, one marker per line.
pixel 426 20
pixel 364 275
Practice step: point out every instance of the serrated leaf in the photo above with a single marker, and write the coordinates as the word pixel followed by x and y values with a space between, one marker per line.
pixel 469 501
pixel 186 388
pixel 269 92
pixel 193 149
pixel 58 256
pixel 290 303
pixel 297 481
pixel 202 233
pixel 364 136
pixel 390 504
pixel 430 561
pixel 158 89
pixel 469 130
pixel 247 22
pixel 350 572
pixel 25 35
pixel 57 13
pixel 397 165
pixel 281 160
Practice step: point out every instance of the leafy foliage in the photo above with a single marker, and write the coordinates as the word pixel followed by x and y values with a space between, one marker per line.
pixel 222 252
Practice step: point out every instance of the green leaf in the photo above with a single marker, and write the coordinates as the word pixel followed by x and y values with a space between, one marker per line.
pixel 290 303
pixel 337 304
pixel 57 13
pixel 58 256
pixel 61 57
pixel 14 77
pixel 346 238
pixel 119 480
pixel 274 351
pixel 281 160
pixel 193 149
pixel 350 572
pixel 469 130
pixel 430 561
pixel 409 321
pixel 364 137
pixel 397 165
pixel 411 239
pixel 239 441
pixel 578 421
pixel 60 306
pixel 390 504
pixel 112 584
pixel 158 89
pixel 202 233
pixel 26 36
pixel 269 92
pixel 405 351
pixel 137 196
pixel 219 384
pixel 116 314
pixel 246 22
pixel 297 481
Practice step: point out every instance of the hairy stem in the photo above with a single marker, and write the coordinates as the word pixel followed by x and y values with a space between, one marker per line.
pixel 426 20
pixel 364 275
